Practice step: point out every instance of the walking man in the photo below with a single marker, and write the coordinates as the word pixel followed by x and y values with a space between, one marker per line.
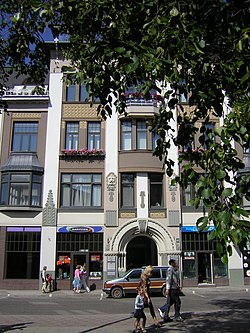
pixel 172 293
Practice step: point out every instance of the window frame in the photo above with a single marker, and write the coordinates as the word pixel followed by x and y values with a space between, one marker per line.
pixel 70 186
pixel 93 137
pixel 31 182
pixel 131 186
pixel 155 183
pixel 22 134
pixel 70 134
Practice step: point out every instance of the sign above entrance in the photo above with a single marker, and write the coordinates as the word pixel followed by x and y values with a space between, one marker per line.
pixel 194 229
pixel 81 229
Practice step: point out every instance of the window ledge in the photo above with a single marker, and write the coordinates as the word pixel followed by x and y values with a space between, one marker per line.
pixel 20 208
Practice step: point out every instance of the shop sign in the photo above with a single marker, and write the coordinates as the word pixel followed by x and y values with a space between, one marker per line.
pixel 80 229
pixel 189 255
pixel 195 229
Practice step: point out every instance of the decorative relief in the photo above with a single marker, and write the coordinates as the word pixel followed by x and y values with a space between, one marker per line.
pixel 142 226
pixel 49 211
pixel 63 124
pixel 172 188
pixel 111 181
pixel 83 124
pixel 22 115
pixel 158 215
pixel 127 215
pixel 80 111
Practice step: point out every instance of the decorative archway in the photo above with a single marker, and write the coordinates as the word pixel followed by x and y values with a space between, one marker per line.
pixel 163 239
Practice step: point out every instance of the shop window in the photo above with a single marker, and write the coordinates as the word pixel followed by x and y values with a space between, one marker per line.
pixel 127 190
pixel 81 190
pixel 21 189
pixel 220 269
pixel 72 135
pixel 126 135
pixel 156 190
pixel 23 249
pixel 141 134
pixel 94 135
pixel 24 137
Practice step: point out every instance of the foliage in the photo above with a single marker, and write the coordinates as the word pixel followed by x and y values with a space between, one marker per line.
pixel 200 47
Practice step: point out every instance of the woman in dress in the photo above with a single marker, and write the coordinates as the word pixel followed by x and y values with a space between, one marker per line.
pixel 145 284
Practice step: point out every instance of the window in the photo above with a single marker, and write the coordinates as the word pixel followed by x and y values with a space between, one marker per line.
pixel 126 135
pixel 188 194
pixel 25 137
pixel 141 134
pixel 84 96
pixel 155 137
pixel 71 92
pixel 127 191
pixel 156 185
pixel 207 137
pixel 21 189
pixel 72 135
pixel 81 190
pixel 94 135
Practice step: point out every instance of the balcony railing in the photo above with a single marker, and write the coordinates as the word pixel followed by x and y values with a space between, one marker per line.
pixel 26 92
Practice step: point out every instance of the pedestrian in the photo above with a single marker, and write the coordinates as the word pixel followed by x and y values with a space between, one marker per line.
pixel 145 284
pixel 49 281
pixel 172 293
pixel 77 281
pixel 139 315
pixel 83 277
pixel 44 279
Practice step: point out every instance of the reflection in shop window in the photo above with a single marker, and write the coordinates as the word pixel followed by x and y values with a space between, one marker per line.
pixel 189 265
pixel 220 269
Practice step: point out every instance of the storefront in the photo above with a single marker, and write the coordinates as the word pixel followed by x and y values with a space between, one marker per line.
pixel 201 263
pixel 77 246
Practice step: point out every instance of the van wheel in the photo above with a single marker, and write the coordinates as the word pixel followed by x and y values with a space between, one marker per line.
pixel 163 291
pixel 116 292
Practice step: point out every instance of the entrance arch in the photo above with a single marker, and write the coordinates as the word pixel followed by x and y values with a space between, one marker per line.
pixel 141 251
pixel 152 229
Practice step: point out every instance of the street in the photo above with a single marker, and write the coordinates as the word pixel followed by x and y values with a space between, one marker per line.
pixel 220 309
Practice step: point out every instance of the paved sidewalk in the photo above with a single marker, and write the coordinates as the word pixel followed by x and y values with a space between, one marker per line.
pixel 206 310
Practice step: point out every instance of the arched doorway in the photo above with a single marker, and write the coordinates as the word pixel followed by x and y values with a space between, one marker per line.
pixel 141 250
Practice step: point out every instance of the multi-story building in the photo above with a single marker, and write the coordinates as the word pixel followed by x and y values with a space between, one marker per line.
pixel 77 189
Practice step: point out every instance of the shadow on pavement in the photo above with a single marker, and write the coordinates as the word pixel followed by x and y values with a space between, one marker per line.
pixel 13 327
pixel 105 325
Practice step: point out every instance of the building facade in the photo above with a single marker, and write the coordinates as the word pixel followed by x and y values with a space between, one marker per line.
pixel 77 189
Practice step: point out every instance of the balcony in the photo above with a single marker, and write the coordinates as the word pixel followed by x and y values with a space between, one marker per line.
pixel 26 93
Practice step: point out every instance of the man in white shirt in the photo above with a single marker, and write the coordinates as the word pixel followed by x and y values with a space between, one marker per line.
pixel 172 293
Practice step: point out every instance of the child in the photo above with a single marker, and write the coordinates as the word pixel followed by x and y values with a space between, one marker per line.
pixel 139 313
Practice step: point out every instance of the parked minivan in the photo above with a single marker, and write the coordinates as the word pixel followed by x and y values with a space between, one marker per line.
pixel 127 284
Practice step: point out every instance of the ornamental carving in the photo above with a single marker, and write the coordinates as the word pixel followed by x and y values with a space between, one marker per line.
pixel 49 211
pixel 111 181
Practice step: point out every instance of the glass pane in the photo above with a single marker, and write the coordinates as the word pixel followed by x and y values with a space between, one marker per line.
pixel 65 201
pixel 81 178
pixel 128 196
pixel 20 178
pixel 97 190
pixel 220 269
pixel 126 141
pixel 25 142
pixel 189 269
pixel 97 178
pixel 83 93
pixel 4 194
pixel 66 178
pixel 36 195
pixel 19 195
pixel 16 142
pixel 156 195
pixel 141 140
pixel 70 95
pixel 33 142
